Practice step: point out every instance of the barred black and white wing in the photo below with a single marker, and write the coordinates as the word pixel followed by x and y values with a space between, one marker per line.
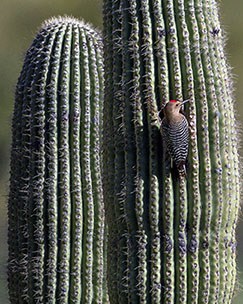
pixel 176 137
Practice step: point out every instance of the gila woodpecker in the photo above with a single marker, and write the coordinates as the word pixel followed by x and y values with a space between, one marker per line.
pixel 175 133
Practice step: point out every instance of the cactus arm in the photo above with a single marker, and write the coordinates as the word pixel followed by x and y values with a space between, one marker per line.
pixel 196 217
pixel 52 248
pixel 193 258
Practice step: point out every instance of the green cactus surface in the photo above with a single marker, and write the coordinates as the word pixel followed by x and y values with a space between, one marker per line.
pixel 170 240
pixel 56 208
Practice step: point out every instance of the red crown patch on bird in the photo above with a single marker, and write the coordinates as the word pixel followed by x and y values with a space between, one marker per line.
pixel 173 100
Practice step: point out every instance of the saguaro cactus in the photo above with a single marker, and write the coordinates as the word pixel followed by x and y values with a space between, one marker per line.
pixel 55 208
pixel 170 240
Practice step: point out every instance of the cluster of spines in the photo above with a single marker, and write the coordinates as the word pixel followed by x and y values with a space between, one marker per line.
pixel 175 240
pixel 56 212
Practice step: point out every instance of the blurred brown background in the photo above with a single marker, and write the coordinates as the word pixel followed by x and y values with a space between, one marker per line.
pixel 19 20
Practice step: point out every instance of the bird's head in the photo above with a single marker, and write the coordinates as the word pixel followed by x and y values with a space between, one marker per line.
pixel 173 107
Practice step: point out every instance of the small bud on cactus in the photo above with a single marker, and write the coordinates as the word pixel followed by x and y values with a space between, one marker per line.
pixel 55 208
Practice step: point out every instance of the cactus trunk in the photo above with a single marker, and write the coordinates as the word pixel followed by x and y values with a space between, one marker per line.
pixel 56 211
pixel 170 240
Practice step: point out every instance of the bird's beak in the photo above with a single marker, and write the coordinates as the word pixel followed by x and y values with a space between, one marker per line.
pixel 184 101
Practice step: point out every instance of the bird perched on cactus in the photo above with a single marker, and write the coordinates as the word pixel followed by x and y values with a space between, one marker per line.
pixel 175 133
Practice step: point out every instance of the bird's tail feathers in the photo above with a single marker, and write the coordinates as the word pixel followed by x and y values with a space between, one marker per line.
pixel 182 170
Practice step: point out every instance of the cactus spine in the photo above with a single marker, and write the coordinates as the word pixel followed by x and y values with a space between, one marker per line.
pixel 170 241
pixel 56 212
